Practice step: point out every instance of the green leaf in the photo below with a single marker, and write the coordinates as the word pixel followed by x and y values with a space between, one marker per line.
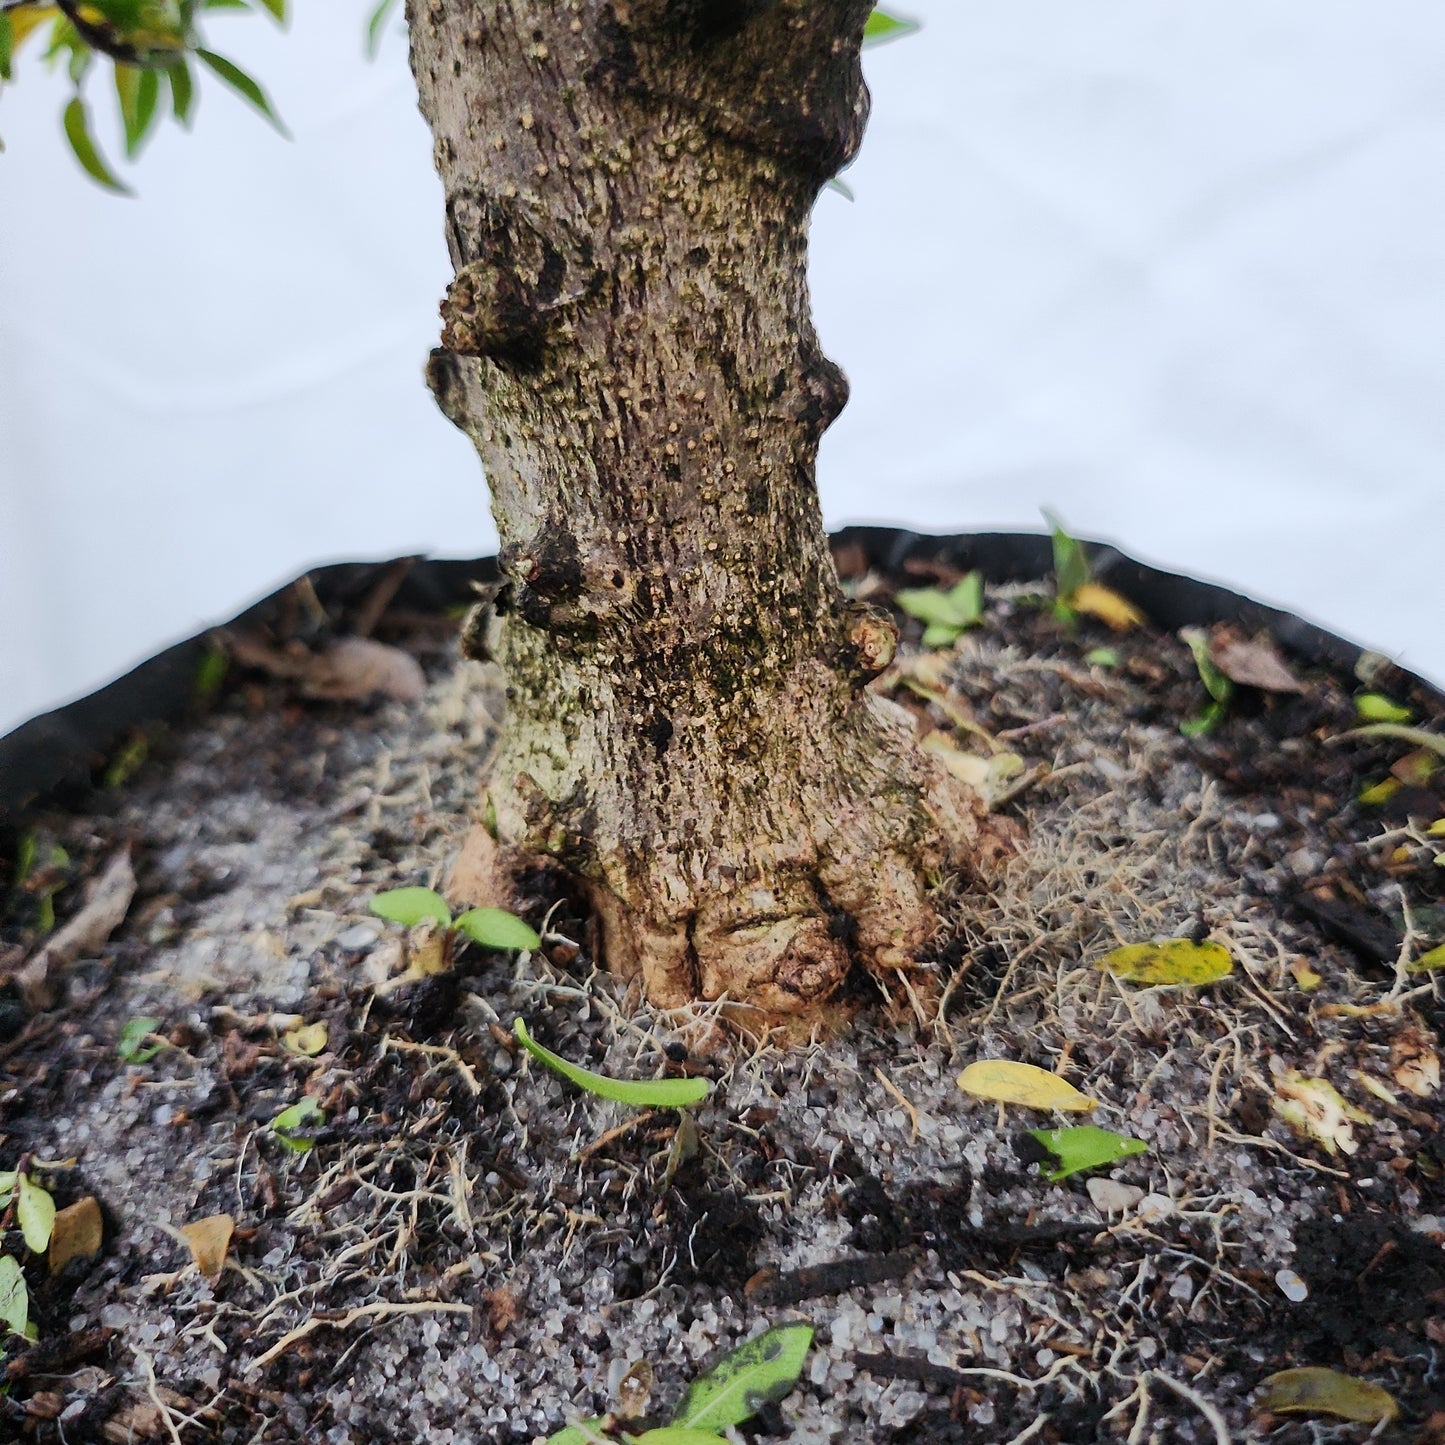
pixel 1085 1146
pixel 763 1369
pixel 587 1432
pixel 182 91
pixel 1175 961
pixel 277 9
pixel 941 634
pixel 1427 962
pixel 131 1047
pixel 1102 657
pixel 410 906
pixel 138 91
pixel 496 928
pixel 7 1186
pixel 1416 737
pixel 961 606
pixel 375 25
pixel 1204 722
pixel 35 1214
pixel 641 1094
pixel 843 189
pixel 1219 687
pixel 242 84
pixel 1375 707
pixel 14 1297
pixel 677 1435
pixel 7 46
pixel 882 27
pixel 77 132
pixel 289 1124
pixel 1071 562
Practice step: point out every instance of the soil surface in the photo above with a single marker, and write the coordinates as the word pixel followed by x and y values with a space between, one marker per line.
pixel 473 1252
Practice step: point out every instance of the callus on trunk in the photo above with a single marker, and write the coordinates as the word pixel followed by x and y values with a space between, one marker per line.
pixel 629 345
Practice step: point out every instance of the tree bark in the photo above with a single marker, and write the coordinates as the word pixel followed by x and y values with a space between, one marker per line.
pixel 628 343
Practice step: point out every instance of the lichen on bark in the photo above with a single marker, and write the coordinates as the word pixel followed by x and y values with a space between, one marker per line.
pixel 628 343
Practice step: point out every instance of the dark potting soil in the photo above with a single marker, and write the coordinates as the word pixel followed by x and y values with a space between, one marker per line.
pixel 471 1252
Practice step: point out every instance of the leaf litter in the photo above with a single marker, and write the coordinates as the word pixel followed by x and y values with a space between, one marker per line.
pixel 956 1293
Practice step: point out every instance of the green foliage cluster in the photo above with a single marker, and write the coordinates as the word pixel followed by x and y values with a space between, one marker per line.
pixel 151 48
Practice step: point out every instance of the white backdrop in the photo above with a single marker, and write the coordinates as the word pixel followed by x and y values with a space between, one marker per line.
pixel 1175 271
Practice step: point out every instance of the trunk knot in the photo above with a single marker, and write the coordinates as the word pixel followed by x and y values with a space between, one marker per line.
pixel 490 311
pixel 870 640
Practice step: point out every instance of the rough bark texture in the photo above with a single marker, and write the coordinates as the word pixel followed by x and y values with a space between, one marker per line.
pixel 628 343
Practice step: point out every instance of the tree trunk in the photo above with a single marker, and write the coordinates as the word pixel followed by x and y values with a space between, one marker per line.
pixel 628 343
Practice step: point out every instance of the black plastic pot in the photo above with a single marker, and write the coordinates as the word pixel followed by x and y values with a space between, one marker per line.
pixel 64 750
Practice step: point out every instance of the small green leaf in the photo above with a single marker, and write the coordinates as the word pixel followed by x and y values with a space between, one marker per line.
pixel 1376 795
pixel 14 1297
pixel 1102 657
pixel 1071 562
pixel 7 46
pixel 138 91
pixel 182 91
pixel 843 189
pixel 77 132
pixel 210 674
pixel 586 1432
pixel 1375 707
pixel 276 8
pixel 410 906
pixel 763 1369
pixel 1085 1146
pixel 641 1094
pixel 961 606
pixel 882 27
pixel 941 634
pixel 131 1047
pixel 7 1186
pixel 1175 962
pixel 35 1214
pixel 1216 684
pixel 1204 722
pixel 496 928
pixel 289 1124
pixel 1434 959
pixel 375 25
pixel 1416 737
pixel 677 1435
pixel 242 84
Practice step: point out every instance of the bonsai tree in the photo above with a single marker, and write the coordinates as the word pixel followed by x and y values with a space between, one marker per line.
pixel 627 341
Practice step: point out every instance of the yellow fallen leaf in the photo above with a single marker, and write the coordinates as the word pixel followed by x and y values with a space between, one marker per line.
pixel 1316 1109
pixel 1382 1091
pixel 208 1240
pixel 1305 976
pixel 1007 1082
pixel 988 777
pixel 308 1040
pixel 1175 961
pixel 1107 605
pixel 76 1233
pixel 1436 829
pixel 1314 1390
pixel 427 953
pixel 1434 959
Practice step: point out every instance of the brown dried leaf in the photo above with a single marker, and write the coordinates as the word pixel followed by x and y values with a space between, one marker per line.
pixel 76 1233
pixel 107 902
pixel 1254 663
pixel 353 668
pixel 208 1240
pixel 1415 1064
pixel 474 881
pixel 503 1309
